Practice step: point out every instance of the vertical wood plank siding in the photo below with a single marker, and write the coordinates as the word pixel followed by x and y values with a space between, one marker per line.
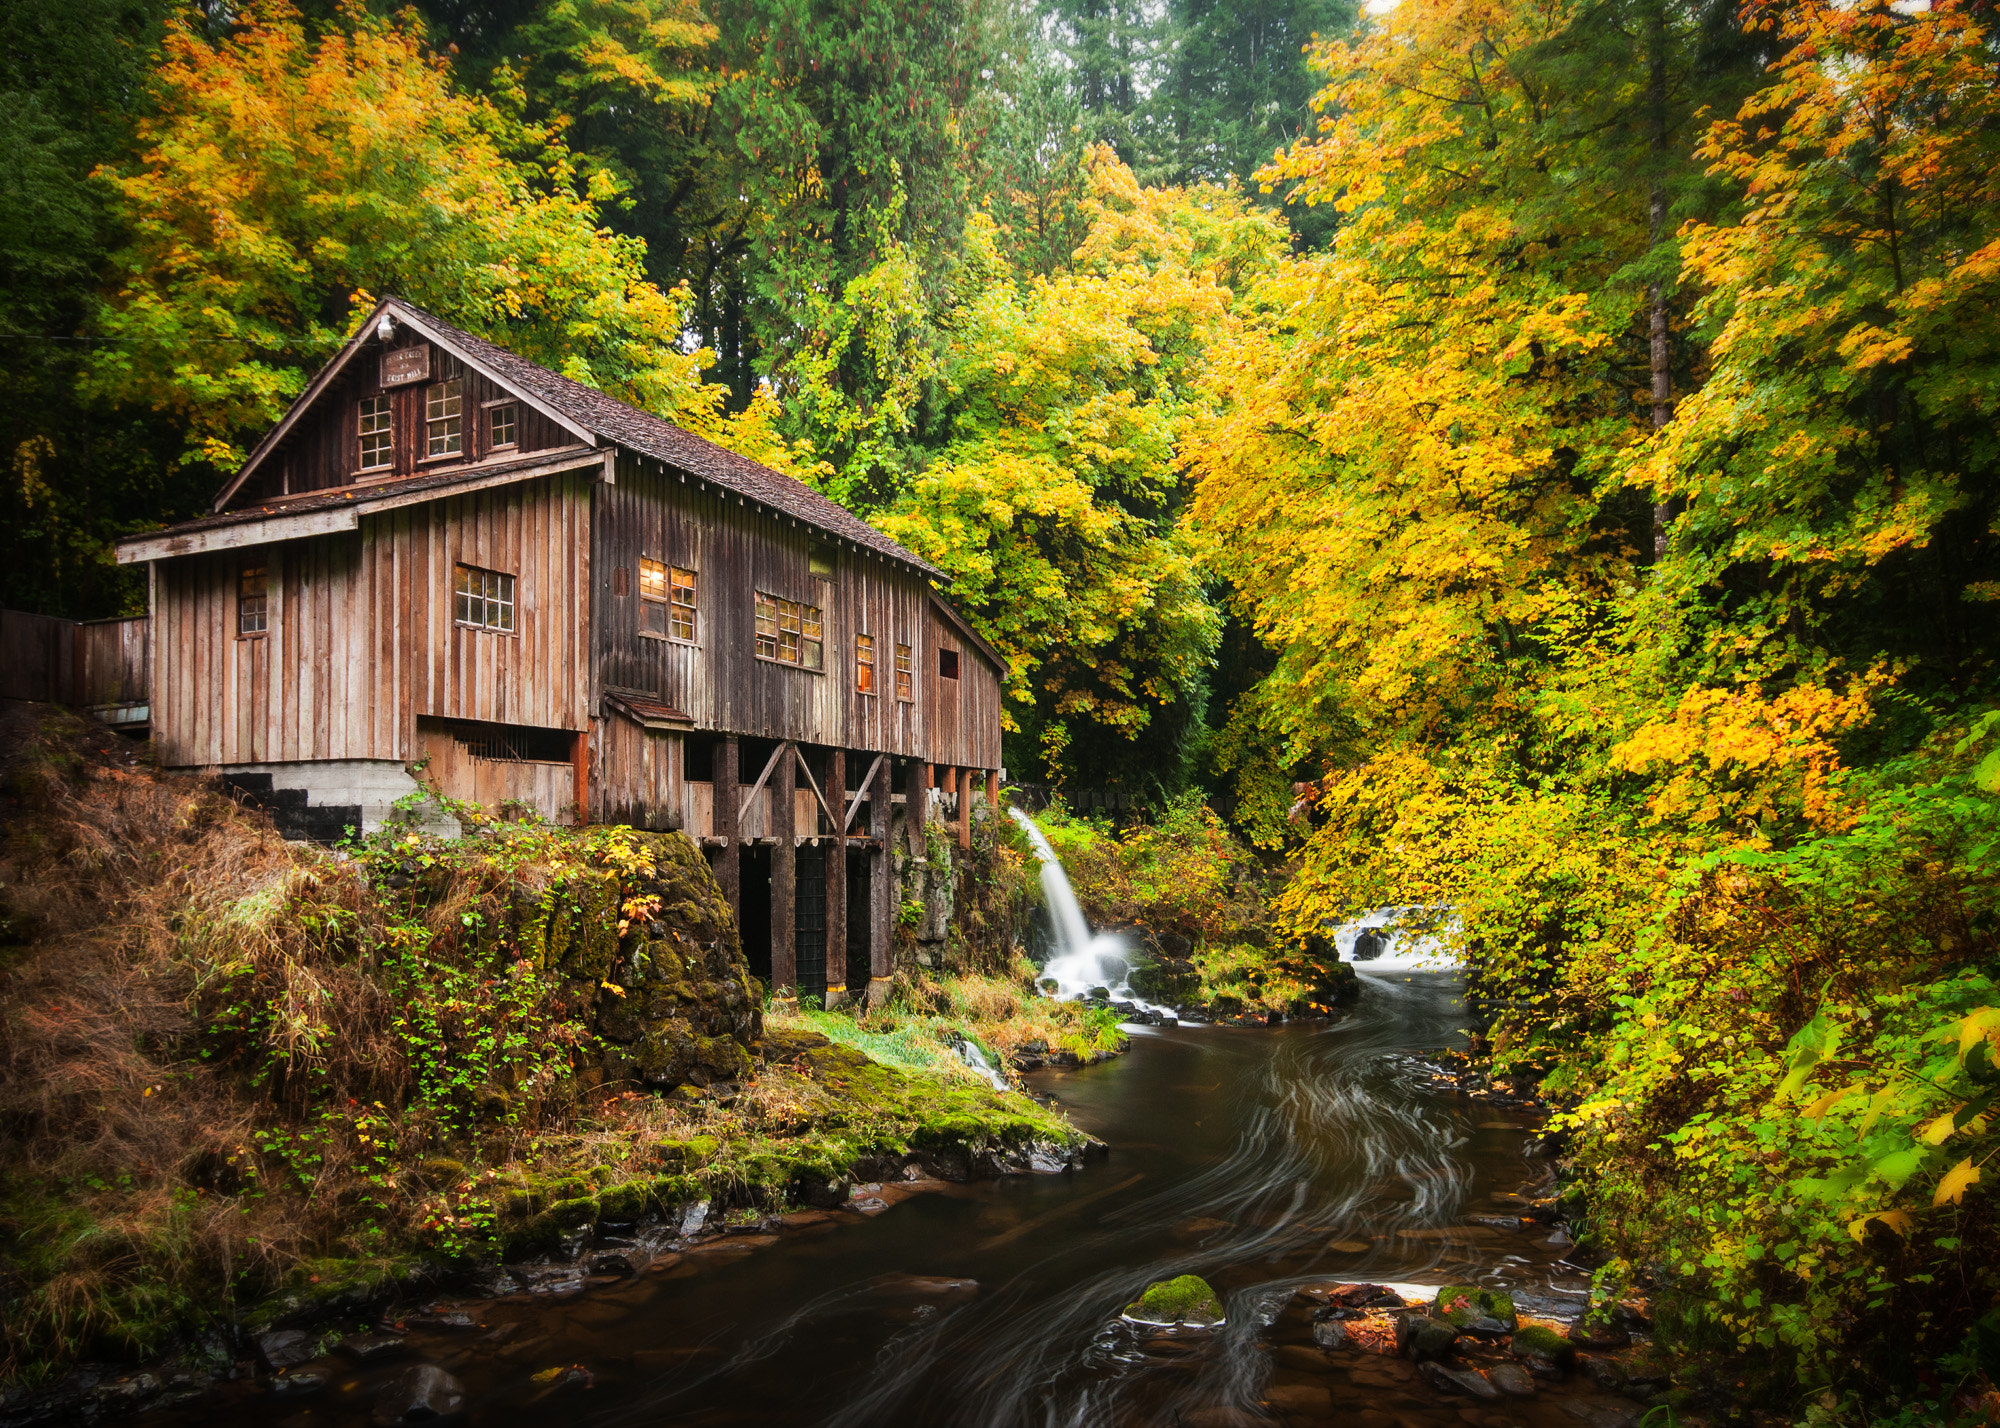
pixel 360 638
pixel 657 513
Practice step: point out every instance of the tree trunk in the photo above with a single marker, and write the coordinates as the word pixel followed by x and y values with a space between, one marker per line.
pixel 1656 293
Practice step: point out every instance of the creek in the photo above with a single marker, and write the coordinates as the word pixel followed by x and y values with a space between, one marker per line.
pixel 1258 1158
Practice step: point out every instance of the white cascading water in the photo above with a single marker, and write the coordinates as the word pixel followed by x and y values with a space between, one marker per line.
pixel 1083 960
pixel 1390 947
pixel 970 1053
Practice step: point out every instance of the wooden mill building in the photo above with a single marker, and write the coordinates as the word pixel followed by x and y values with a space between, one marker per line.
pixel 447 560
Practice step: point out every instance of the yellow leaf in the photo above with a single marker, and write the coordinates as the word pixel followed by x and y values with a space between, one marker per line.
pixel 614 989
pixel 1938 1131
pixel 1981 1025
pixel 1897 1220
pixel 1829 1101
pixel 1960 1178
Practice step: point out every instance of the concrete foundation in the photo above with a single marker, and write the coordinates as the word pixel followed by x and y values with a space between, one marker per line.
pixel 320 801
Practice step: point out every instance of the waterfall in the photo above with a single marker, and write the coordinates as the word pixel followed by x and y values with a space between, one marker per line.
pixel 971 1055
pixel 1380 942
pixel 1083 960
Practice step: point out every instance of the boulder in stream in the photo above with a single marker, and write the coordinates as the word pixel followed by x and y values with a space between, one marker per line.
pixel 423 1393
pixel 1487 1313
pixel 1187 1300
pixel 1422 1338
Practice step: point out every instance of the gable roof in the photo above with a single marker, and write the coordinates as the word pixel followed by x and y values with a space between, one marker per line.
pixel 599 420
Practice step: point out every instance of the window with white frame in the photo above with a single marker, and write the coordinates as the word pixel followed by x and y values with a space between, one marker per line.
pixel 378 442
pixel 444 420
pixel 483 599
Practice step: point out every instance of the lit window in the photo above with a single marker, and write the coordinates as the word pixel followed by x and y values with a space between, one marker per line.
pixel 252 609
pixel 948 664
pixel 484 599
pixel 444 434
pixel 789 632
pixel 500 425
pixel 377 444
pixel 652 597
pixel 864 664
pixel 682 609
pixel 903 671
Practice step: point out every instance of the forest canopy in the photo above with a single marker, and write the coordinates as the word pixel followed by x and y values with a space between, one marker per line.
pixel 1531 463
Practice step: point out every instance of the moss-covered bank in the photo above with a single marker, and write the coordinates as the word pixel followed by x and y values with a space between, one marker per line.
pixel 242 1080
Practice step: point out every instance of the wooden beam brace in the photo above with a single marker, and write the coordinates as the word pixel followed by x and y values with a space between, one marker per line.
pixel 758 787
pixel 854 798
pixel 806 769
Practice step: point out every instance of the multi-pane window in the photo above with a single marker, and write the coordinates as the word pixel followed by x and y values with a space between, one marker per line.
pixel 652 597
pixel 789 632
pixel 444 422
pixel 501 425
pixel 483 599
pixel 253 611
pixel 377 442
pixel 864 664
pixel 681 611
pixel 903 673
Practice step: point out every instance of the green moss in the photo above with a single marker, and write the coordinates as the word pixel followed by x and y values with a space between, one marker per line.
pixel 1186 1300
pixel 1459 1305
pixel 1545 1342
pixel 623 1202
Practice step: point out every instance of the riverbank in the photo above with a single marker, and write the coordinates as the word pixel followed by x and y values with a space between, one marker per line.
pixel 252 1085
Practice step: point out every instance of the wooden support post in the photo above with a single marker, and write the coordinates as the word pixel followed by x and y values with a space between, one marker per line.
pixel 729 867
pixel 836 881
pixel 916 806
pixel 785 873
pixel 993 791
pixel 582 773
pixel 881 885
pixel 963 780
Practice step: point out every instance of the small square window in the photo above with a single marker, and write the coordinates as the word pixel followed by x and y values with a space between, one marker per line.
pixel 377 440
pixel 483 599
pixel 252 599
pixel 500 425
pixel 948 664
pixel 864 664
pixel 444 432
pixel 904 671
pixel 682 608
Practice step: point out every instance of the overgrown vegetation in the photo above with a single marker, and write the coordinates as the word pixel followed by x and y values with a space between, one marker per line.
pixel 235 1067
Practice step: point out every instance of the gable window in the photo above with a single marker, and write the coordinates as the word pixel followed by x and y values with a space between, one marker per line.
pixel 948 664
pixel 652 597
pixel 501 426
pixel 444 430
pixel 377 442
pixel 789 632
pixel 252 598
pixel 904 669
pixel 681 612
pixel 864 664
pixel 483 599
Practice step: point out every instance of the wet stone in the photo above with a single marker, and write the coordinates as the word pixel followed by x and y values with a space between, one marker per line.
pixel 287 1348
pixel 423 1393
pixel 1512 1380
pixel 1601 1371
pixel 302 1384
pixel 1467 1381
pixel 1306 1400
pixel 372 1348
pixel 1329 1333
pixel 1422 1338
pixel 1301 1358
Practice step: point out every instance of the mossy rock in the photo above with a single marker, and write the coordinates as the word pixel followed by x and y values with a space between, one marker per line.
pixel 440 1173
pixel 1462 1306
pixel 1187 1300
pixel 1539 1341
pixel 623 1203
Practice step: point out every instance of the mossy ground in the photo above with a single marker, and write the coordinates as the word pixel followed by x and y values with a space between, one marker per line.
pixel 239 1072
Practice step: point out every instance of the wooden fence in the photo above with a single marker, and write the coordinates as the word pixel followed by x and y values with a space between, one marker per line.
pixel 104 666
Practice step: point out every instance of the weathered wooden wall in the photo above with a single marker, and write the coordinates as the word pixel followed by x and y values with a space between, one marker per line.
pixel 549 788
pixel 361 639
pixel 93 663
pixel 718 680
pixel 324 449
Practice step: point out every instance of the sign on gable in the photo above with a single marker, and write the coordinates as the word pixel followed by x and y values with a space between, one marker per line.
pixel 406 364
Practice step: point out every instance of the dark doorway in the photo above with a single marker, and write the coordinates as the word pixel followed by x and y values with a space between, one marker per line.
pixel 756 922
pixel 811 941
pixel 860 907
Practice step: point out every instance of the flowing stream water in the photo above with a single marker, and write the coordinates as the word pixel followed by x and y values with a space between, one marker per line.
pixel 1258 1158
